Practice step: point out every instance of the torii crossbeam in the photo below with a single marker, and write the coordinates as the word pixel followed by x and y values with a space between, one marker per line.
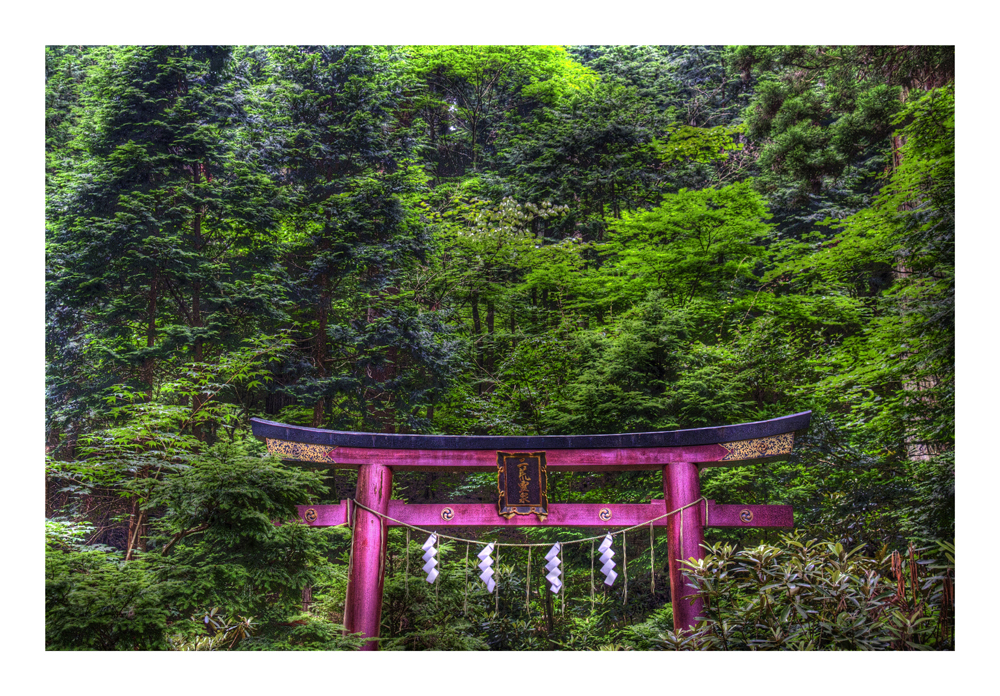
pixel 680 454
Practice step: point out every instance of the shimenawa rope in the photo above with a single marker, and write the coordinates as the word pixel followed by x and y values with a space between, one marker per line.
pixel 547 543
pixel 625 565
pixel 652 563
pixel 406 573
pixel 592 554
pixel 383 517
pixel 527 584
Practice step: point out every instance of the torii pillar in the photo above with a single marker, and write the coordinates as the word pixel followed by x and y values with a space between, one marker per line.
pixel 363 604
pixel 685 535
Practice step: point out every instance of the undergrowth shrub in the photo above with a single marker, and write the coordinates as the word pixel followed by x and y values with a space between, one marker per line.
pixel 818 595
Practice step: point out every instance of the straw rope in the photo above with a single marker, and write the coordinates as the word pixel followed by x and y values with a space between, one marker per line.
pixel 547 543
pixel 652 563
pixel 625 566
pixel 527 584
pixel 497 585
pixel 386 518
pixel 592 554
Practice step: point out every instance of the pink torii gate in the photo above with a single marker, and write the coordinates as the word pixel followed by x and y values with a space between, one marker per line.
pixel 680 454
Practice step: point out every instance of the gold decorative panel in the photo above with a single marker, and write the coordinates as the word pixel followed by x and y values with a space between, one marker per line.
pixel 300 451
pixel 759 447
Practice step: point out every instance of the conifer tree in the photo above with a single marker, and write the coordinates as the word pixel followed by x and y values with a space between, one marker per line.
pixel 157 240
pixel 352 231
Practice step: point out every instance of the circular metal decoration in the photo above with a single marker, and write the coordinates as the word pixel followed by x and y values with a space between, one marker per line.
pixel 605 514
pixel 447 514
pixel 311 515
pixel 746 516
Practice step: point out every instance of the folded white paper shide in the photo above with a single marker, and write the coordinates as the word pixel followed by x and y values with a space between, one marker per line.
pixel 553 567
pixel 486 561
pixel 430 565
pixel 606 553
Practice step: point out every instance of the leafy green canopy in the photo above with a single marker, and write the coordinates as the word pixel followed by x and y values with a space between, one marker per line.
pixel 469 92
pixel 820 110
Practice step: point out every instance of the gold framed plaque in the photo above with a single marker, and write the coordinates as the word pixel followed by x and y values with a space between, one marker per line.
pixel 523 484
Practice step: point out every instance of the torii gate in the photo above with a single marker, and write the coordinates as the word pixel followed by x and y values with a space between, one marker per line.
pixel 680 454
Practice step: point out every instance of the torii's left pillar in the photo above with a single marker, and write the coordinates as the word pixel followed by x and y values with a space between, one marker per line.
pixel 363 605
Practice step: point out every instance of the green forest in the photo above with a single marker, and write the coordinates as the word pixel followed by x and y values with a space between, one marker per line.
pixel 496 240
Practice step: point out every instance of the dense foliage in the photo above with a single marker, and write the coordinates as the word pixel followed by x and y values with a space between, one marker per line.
pixel 496 240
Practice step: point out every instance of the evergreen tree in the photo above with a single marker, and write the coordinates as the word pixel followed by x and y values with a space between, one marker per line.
pixel 157 243
pixel 351 234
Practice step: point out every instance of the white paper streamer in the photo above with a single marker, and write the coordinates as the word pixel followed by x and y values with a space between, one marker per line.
pixel 606 554
pixel 553 567
pixel 487 575
pixel 430 567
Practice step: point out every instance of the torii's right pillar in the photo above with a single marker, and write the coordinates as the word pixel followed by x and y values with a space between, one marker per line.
pixel 685 535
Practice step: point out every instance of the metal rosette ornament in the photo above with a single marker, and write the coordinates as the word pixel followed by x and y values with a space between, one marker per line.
pixel 430 565
pixel 485 562
pixel 606 555
pixel 553 567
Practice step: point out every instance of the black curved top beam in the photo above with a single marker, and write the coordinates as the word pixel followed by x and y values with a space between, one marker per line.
pixel 664 438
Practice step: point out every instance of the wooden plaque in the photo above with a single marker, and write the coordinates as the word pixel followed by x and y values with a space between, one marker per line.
pixel 523 484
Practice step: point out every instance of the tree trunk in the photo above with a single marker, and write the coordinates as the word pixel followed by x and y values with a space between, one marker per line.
pixel 199 398
pixel 136 524
pixel 196 322
pixel 476 341
pixel 320 346
pixel 147 364
pixel 488 343
pixel 380 407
